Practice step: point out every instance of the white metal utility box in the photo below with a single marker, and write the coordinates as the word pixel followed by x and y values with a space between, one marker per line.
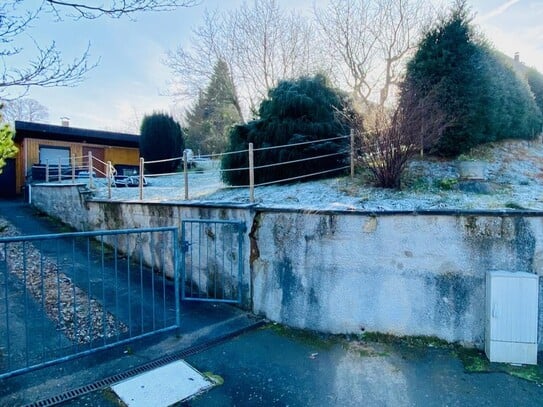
pixel 511 317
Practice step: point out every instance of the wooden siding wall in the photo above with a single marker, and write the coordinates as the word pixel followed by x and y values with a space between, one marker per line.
pixel 122 155
pixel 19 167
pixel 117 155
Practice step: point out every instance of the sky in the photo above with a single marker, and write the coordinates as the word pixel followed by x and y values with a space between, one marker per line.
pixel 130 79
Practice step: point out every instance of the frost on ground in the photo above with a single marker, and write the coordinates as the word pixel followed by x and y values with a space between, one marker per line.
pixel 514 180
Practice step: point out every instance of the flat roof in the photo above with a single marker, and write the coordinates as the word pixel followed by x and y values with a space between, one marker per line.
pixel 73 134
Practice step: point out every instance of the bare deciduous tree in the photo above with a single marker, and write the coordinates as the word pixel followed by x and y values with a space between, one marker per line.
pixel 388 139
pixel 48 68
pixel 368 42
pixel 25 109
pixel 260 43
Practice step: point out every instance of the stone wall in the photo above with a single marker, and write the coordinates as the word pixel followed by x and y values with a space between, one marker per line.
pixel 348 272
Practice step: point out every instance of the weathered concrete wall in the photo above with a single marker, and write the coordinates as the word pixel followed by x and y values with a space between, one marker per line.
pixel 62 201
pixel 129 215
pixel 402 273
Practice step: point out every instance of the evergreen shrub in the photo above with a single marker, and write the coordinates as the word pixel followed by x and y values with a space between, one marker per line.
pixel 296 111
pixel 161 138
pixel 484 98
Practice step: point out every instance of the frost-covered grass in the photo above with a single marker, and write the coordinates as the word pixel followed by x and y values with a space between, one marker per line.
pixel 514 181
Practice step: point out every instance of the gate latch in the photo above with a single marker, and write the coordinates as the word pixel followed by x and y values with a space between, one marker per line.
pixel 185 245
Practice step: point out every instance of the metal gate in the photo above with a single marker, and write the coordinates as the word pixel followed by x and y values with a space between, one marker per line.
pixel 71 294
pixel 212 260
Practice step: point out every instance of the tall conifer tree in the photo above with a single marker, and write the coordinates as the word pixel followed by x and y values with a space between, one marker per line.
pixel 481 94
pixel 215 111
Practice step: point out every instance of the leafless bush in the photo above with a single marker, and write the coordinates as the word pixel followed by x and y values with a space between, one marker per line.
pixel 386 140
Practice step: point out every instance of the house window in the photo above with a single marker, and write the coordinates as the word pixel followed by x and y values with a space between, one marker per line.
pixel 53 154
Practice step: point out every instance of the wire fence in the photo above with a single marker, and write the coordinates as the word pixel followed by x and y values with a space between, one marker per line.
pixel 203 170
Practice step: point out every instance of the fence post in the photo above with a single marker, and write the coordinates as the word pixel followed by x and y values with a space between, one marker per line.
pixel 91 183
pixel 108 175
pixel 59 170
pixel 186 175
pixel 352 153
pixel 73 168
pixel 140 181
pixel 46 170
pixel 251 174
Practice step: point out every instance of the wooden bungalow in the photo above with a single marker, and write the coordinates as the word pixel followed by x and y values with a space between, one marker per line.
pixel 45 144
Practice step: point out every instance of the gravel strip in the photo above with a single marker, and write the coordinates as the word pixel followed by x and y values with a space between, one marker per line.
pixel 80 318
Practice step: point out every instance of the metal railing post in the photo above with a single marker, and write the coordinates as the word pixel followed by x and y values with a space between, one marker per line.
pixel 59 170
pixel 176 277
pixel 251 174
pixel 46 170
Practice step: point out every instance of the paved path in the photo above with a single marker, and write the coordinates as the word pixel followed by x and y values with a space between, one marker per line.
pixel 271 367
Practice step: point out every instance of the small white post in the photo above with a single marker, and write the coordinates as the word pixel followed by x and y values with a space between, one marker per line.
pixel 140 181
pixel 251 174
pixel 108 175
pixel 73 168
pixel 59 170
pixel 186 175
pixel 352 153
pixel 91 183
pixel 422 143
pixel 46 170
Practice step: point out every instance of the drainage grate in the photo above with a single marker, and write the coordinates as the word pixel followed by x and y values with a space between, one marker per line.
pixel 108 381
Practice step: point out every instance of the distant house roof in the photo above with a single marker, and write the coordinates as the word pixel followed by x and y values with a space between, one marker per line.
pixel 73 134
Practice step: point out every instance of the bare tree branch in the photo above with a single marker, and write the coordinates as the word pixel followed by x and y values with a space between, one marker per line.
pixel 25 109
pixel 260 43
pixel 48 68
pixel 348 38
pixel 369 42
pixel 388 140
pixel 116 8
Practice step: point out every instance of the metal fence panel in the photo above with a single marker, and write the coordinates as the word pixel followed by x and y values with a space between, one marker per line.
pixel 212 260
pixel 70 294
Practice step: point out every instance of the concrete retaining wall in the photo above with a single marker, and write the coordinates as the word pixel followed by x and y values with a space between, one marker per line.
pixel 404 274
pixel 401 273
pixel 62 201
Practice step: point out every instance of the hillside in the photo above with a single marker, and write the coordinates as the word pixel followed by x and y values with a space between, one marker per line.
pixel 514 180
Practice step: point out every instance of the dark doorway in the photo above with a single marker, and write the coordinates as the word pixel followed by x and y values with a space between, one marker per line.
pixel 98 156
pixel 8 185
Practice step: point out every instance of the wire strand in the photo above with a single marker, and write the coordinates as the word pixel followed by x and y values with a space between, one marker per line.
pixel 300 143
pixel 299 160
pixel 165 160
pixel 301 176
